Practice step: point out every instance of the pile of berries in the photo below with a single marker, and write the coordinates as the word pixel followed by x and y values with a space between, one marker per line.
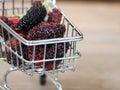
pixel 33 26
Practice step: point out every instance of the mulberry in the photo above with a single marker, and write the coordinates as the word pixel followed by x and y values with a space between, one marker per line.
pixel 4 33
pixel 37 3
pixel 50 54
pixel 14 26
pixel 13 58
pixel 15 46
pixel 46 30
pixel 59 54
pixel 39 51
pixel 55 16
pixel 35 15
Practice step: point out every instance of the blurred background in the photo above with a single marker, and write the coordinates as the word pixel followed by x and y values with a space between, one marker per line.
pixel 99 66
pixel 99 21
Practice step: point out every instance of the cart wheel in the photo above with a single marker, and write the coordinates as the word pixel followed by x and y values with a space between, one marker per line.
pixel 43 79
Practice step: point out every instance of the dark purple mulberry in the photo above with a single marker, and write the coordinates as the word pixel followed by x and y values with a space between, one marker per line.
pixel 35 15
pixel 46 31
pixel 59 54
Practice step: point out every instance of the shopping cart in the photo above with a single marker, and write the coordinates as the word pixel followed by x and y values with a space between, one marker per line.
pixel 67 62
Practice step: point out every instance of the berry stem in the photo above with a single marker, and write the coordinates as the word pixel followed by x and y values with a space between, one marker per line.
pixel 62 19
pixel 3 59
pixel 47 4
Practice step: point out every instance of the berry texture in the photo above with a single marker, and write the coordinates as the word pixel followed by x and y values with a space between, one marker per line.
pixel 15 46
pixel 51 52
pixel 13 58
pixel 61 50
pixel 4 33
pixel 46 30
pixel 37 3
pixel 35 15
pixel 55 16
pixel 38 54
pixel 14 26
pixel 5 19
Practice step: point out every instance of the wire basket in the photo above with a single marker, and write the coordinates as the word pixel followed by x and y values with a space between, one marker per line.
pixel 14 52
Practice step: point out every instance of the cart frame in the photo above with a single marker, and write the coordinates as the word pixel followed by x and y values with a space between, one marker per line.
pixel 72 35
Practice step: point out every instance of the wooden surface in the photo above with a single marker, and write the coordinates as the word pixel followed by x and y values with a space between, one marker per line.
pixel 99 66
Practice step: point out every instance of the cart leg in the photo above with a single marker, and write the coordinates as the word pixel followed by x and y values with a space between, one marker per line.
pixel 55 81
pixel 5 77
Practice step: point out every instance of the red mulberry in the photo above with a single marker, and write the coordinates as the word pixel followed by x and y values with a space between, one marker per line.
pixel 55 16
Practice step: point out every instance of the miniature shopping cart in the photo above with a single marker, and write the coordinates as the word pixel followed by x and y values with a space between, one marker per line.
pixel 67 62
